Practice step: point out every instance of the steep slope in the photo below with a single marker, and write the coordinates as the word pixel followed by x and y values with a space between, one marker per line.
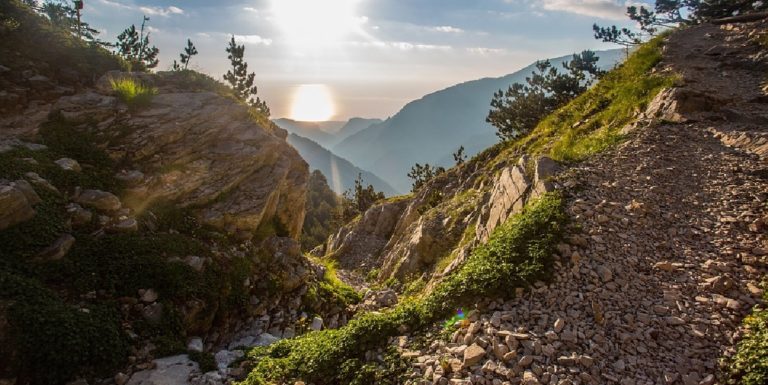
pixel 430 129
pixel 661 171
pixel 320 132
pixel 341 174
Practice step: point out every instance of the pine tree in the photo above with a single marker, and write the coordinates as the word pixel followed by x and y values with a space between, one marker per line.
pixel 189 51
pixel 64 16
pixel 423 174
pixel 240 80
pixel 459 157
pixel 134 47
pixel 519 109
pixel 359 199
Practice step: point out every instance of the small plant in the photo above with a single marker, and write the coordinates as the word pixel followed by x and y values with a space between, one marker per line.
pixel 132 92
pixel 750 364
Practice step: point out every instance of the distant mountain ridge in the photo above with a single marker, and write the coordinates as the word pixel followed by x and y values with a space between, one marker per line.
pixel 339 172
pixel 328 133
pixel 430 129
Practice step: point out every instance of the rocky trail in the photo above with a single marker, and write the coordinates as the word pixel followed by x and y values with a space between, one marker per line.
pixel 671 249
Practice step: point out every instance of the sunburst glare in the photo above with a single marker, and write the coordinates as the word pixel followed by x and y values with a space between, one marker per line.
pixel 313 103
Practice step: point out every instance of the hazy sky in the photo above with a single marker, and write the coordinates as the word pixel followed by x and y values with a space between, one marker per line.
pixel 370 56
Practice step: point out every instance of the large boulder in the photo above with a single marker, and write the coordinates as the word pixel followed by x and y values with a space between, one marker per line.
pixel 201 150
pixel 205 151
pixel 16 200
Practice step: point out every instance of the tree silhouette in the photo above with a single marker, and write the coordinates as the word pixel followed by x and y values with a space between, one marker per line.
pixel 240 80
pixel 189 51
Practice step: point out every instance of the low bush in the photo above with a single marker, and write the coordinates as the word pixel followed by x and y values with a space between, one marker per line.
pixel 750 364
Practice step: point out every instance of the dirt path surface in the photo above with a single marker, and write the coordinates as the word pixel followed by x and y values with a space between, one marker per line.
pixel 672 248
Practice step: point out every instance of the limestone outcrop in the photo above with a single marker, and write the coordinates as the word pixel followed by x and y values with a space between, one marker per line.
pixel 201 150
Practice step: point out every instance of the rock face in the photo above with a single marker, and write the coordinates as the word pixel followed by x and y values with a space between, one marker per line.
pixel 205 151
pixel 359 242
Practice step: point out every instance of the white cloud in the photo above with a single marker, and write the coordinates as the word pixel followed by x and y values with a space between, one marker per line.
pixel 253 39
pixel 251 9
pixel 401 45
pixel 485 51
pixel 604 9
pixel 203 35
pixel 114 4
pixel 159 11
pixel 447 29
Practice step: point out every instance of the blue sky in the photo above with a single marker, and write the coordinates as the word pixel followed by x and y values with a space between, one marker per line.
pixel 372 56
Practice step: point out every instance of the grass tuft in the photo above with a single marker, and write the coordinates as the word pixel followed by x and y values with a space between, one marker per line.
pixel 132 92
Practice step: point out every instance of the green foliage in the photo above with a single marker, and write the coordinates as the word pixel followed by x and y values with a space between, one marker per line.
pixel 23 32
pixel 423 174
pixel 359 199
pixel 205 360
pixel 133 46
pixel 54 340
pixel 518 253
pixel 750 364
pixel 592 122
pixel 241 81
pixel 323 212
pixel 132 92
pixel 331 288
pixel 516 111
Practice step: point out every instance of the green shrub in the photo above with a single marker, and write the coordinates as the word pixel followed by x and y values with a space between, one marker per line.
pixel 56 341
pixel 132 92
pixel 518 253
pixel 750 364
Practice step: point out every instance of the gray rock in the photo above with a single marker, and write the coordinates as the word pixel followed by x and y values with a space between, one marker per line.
pixel 153 313
pixel 100 200
pixel 149 296
pixel 14 206
pixel 40 82
pixel 317 323
pixel 68 164
pixel 78 214
pixel 58 249
pixel 131 178
pixel 125 225
pixel 173 370
pixel 472 355
pixel 195 344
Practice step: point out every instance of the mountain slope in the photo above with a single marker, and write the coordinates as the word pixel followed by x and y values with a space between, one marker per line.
pixel 341 174
pixel 428 130
pixel 353 126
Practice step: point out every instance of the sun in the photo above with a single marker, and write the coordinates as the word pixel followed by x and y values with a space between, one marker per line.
pixel 312 103
pixel 316 23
